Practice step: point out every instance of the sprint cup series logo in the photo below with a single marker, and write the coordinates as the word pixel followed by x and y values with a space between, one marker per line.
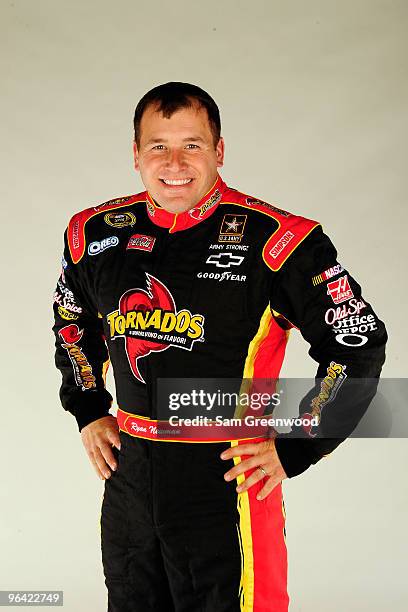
pixel 149 321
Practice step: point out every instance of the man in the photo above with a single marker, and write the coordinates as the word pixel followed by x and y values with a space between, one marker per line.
pixel 193 279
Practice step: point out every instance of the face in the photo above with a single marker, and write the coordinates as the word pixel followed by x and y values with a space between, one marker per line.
pixel 176 157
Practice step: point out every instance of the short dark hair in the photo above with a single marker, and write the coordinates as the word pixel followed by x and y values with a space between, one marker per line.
pixel 173 96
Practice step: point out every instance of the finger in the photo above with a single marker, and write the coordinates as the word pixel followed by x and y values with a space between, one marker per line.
pixel 269 486
pixel 114 438
pixel 95 466
pixel 101 463
pixel 237 451
pixel 107 454
pixel 242 467
pixel 255 477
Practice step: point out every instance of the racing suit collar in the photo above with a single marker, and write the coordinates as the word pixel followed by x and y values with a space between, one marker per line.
pixel 181 221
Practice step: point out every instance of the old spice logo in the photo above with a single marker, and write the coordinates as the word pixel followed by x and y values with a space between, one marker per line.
pixel 197 213
pixel 149 321
pixel 71 335
pixel 141 242
pixel 281 244
pixel 340 290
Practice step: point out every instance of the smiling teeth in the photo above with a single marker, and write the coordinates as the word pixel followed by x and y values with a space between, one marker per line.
pixel 177 181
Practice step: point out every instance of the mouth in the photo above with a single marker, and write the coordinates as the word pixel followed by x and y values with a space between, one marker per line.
pixel 176 182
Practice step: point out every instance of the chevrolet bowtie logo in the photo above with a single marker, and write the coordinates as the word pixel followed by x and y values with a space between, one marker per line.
pixel 225 260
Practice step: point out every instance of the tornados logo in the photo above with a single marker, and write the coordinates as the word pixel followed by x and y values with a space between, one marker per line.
pixel 148 321
pixel 329 387
pixel 71 335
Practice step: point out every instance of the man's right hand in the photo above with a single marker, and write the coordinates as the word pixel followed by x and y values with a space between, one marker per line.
pixel 98 438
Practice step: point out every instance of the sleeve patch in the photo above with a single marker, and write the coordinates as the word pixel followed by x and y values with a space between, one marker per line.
pixel 286 239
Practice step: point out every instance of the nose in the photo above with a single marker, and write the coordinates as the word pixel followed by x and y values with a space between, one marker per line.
pixel 175 160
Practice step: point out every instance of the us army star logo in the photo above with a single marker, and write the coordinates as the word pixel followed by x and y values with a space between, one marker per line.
pixel 232 228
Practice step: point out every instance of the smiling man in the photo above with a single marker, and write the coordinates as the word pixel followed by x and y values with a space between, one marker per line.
pixel 192 279
pixel 178 155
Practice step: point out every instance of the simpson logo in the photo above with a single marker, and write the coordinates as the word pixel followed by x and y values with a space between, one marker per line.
pixel 254 201
pixel 329 273
pixel 112 203
pixel 98 247
pixel 232 228
pixel 141 242
pixel 120 219
pixel 75 234
pixel 71 335
pixel 225 260
pixel 281 244
pixel 66 314
pixel 329 387
pixel 197 213
pixel 339 290
pixel 149 321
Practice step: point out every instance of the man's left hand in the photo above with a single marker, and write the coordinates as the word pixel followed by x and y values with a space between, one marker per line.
pixel 261 454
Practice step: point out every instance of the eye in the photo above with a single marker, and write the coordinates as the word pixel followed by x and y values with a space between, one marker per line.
pixel 192 146
pixel 159 147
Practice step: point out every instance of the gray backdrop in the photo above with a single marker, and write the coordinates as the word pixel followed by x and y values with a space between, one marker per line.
pixel 314 107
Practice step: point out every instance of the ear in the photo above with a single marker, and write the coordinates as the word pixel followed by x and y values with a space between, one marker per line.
pixel 136 156
pixel 219 149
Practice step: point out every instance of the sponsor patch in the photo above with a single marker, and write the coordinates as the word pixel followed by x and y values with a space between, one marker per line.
pixel 224 260
pixel 277 248
pixel 75 234
pixel 112 203
pixel 66 314
pixel 329 388
pixel 197 213
pixel 141 242
pixel 232 228
pixel 150 208
pixel 335 314
pixel 120 219
pixel 222 276
pixel 149 321
pixel 339 290
pixel 64 297
pixel 327 274
pixel 271 207
pixel 70 336
pixel 97 246
pixel 348 325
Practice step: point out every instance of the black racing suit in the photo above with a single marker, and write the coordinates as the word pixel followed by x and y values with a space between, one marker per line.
pixel 210 293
